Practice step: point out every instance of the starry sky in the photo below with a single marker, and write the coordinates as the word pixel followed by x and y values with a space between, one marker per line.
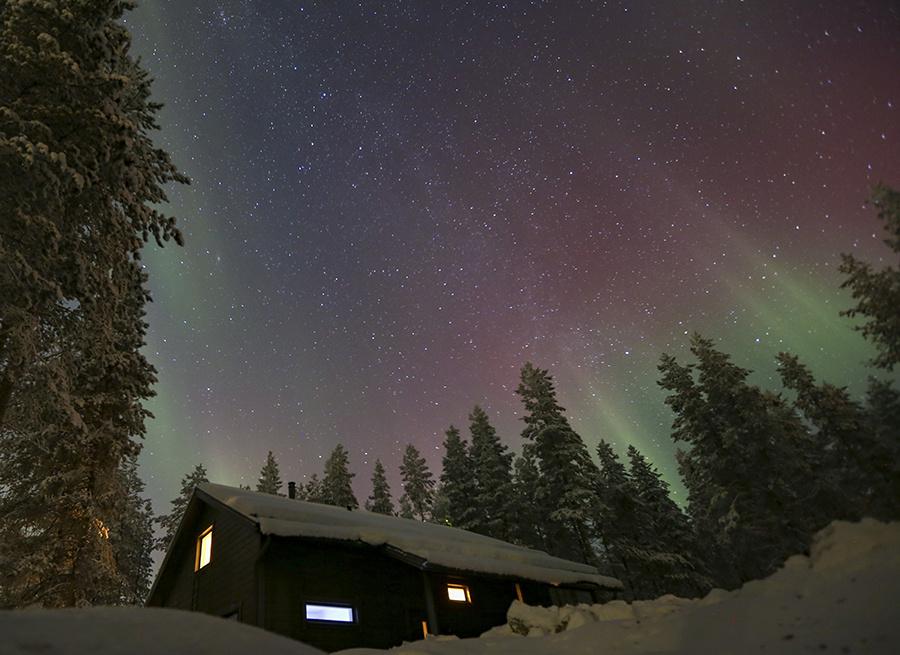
pixel 395 205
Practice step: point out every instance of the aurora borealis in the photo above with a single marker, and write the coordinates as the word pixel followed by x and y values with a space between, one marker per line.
pixel 395 205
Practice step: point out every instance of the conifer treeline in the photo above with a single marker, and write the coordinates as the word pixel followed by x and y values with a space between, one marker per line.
pixel 764 470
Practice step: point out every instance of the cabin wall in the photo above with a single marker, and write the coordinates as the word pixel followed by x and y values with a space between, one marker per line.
pixel 227 584
pixel 388 596
pixel 490 599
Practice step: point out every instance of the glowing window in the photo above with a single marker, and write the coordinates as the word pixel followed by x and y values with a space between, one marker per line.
pixel 204 549
pixel 330 613
pixel 458 593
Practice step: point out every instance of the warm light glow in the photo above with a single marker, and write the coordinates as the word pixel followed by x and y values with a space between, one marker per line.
pixel 424 629
pixel 204 548
pixel 519 593
pixel 333 613
pixel 458 593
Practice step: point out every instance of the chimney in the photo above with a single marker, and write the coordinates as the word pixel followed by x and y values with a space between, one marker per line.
pixel 292 490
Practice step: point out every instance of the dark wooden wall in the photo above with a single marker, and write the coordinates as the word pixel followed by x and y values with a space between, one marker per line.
pixel 388 595
pixel 491 597
pixel 228 583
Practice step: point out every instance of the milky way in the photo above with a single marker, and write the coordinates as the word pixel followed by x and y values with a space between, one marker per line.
pixel 395 205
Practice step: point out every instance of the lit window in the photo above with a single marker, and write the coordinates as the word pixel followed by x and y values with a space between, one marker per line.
pixel 330 613
pixel 458 593
pixel 204 549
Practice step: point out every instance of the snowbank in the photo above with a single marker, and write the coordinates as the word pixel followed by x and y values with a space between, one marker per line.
pixel 843 598
pixel 436 544
pixel 135 631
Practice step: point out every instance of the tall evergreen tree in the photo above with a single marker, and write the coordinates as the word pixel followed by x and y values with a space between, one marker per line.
pixel 418 484
pixel 406 509
pixel 269 477
pixel 313 491
pixel 565 493
pixel 170 522
pixel 458 482
pixel 80 177
pixel 747 468
pixel 132 539
pixel 380 501
pixel 337 486
pixel 877 293
pixel 491 465
pixel 440 507
pixel 664 531
pixel 528 528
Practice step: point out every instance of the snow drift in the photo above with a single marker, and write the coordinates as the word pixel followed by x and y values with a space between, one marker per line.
pixel 843 598
pixel 135 631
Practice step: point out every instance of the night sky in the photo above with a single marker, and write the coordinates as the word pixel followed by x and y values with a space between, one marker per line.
pixel 395 205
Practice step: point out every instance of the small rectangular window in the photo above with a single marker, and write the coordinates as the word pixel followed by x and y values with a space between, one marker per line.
pixel 330 613
pixel 458 593
pixel 204 549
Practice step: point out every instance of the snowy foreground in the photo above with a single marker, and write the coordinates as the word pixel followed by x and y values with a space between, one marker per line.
pixel 843 598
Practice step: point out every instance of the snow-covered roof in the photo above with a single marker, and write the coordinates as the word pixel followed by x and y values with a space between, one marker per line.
pixel 435 544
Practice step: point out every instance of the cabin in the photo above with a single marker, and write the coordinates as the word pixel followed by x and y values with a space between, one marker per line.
pixel 336 578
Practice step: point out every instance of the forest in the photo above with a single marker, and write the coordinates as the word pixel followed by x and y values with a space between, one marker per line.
pixel 81 185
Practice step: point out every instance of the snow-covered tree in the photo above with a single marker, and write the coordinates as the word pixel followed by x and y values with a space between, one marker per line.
pixel 672 565
pixel 440 507
pixel 491 466
pixel 406 510
pixel 458 482
pixel 79 185
pixel 565 490
pixel 337 486
pixel 418 484
pixel 170 522
pixel 748 467
pixel 132 540
pixel 269 477
pixel 312 491
pixel 528 526
pixel 877 292
pixel 380 501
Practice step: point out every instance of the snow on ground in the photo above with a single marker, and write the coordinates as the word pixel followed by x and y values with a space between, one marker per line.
pixel 135 631
pixel 843 598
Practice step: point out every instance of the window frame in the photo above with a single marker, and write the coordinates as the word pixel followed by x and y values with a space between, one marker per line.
pixel 330 604
pixel 198 548
pixel 459 585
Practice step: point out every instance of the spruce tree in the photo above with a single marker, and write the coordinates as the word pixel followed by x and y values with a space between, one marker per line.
pixel 269 477
pixel 458 482
pixel 491 465
pixel 877 293
pixel 565 491
pixel 440 507
pixel 418 484
pixel 528 528
pixel 674 566
pixel 80 179
pixel 406 509
pixel 313 491
pixel 883 417
pixel 169 522
pixel 380 501
pixel 132 540
pixel 337 486
pixel 747 468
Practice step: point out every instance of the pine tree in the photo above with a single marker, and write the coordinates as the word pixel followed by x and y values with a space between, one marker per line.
pixel 878 292
pixel 418 484
pixel 313 491
pixel 458 482
pixel 883 414
pixel 132 540
pixel 79 180
pixel 337 486
pixel 674 566
pixel 747 468
pixel 491 465
pixel 406 510
pixel 528 528
pixel 564 494
pixel 170 522
pixel 269 477
pixel 440 507
pixel 380 501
